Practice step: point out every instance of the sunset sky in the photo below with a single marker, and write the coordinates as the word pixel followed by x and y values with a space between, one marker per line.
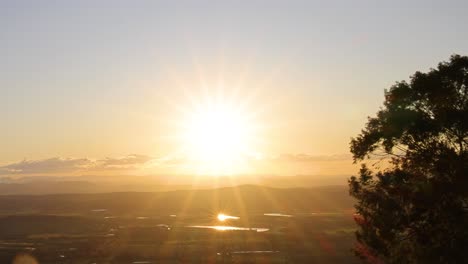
pixel 136 86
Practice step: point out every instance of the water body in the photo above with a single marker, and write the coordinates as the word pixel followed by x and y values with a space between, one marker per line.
pixel 255 252
pixel 231 228
pixel 277 214
pixel 164 226
pixel 99 210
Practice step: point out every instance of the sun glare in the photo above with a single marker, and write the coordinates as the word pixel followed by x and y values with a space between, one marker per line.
pixel 217 134
pixel 217 137
pixel 222 217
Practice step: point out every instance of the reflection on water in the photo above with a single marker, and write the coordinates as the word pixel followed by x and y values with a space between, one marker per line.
pixel 232 228
pixel 99 210
pixel 224 217
pixel 255 252
pixel 277 214
pixel 164 226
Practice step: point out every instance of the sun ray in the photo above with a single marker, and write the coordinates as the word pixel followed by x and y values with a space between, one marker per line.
pixel 216 134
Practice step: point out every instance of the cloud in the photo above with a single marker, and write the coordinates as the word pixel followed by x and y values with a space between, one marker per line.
pixel 69 165
pixel 311 158
pixel 127 162
pixel 51 165
pixel 135 162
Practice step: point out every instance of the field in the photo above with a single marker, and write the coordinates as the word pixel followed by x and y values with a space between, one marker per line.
pixel 271 226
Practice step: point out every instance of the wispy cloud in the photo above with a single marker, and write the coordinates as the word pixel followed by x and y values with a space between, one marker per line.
pixel 132 161
pixel 68 165
pixel 310 158
pixel 51 165
pixel 135 162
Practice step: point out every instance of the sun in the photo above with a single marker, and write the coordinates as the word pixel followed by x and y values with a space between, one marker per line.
pixel 217 134
pixel 217 137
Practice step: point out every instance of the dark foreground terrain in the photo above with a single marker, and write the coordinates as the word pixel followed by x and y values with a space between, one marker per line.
pixel 270 226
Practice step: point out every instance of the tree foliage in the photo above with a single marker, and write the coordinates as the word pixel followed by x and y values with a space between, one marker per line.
pixel 415 210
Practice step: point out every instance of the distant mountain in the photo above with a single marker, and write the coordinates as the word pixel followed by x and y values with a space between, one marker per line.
pixel 236 200
pixel 103 184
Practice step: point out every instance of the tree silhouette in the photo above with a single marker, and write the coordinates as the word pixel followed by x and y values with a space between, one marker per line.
pixel 415 208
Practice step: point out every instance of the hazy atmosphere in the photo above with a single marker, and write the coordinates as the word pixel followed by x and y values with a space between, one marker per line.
pixel 240 131
pixel 94 86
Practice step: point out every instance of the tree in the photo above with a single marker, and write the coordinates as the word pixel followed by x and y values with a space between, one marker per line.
pixel 415 208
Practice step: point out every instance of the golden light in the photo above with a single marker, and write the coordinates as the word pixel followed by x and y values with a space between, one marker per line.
pixel 217 137
pixel 222 217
